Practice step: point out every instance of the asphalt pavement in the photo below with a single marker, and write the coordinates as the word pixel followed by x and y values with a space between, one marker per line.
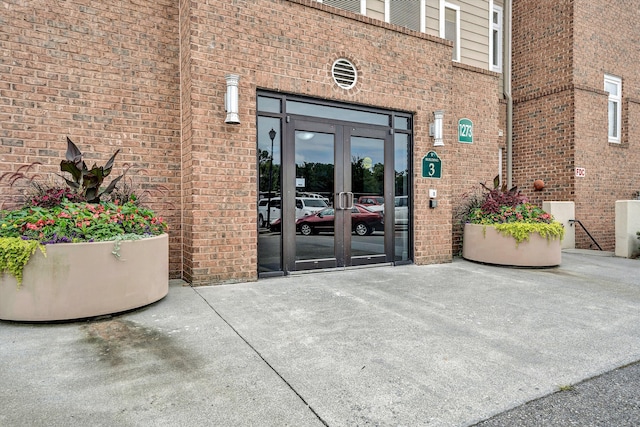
pixel 454 344
pixel 610 399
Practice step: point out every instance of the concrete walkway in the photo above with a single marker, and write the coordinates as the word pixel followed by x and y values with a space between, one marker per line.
pixel 442 345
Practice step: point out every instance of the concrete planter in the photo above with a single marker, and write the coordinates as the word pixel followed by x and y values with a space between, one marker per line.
pixel 627 225
pixel 78 280
pixel 492 247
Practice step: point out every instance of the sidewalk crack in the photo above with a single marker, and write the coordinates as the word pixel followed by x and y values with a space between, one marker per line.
pixel 264 360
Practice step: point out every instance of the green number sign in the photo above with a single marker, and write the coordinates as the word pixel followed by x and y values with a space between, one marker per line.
pixel 431 165
pixel 465 131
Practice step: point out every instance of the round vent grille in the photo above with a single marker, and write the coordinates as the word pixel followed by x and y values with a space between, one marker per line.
pixel 344 73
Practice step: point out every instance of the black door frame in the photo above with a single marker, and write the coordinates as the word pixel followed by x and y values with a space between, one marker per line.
pixel 342 132
pixel 398 123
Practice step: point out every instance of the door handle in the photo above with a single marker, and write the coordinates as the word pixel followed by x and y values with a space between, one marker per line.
pixel 350 200
pixel 345 196
pixel 340 200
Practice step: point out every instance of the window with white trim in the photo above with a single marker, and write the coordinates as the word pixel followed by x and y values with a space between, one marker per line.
pixel 407 13
pixel 495 44
pixel 357 6
pixel 450 27
pixel 613 85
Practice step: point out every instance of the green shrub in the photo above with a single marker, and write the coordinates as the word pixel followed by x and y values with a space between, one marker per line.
pixel 15 253
pixel 510 213
pixel 522 230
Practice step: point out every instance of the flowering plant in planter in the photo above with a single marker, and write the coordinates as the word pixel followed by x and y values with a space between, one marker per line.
pixel 501 227
pixel 72 222
pixel 70 214
pixel 510 212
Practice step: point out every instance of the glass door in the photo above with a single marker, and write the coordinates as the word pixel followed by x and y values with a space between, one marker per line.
pixel 367 152
pixel 339 171
pixel 318 202
pixel 334 185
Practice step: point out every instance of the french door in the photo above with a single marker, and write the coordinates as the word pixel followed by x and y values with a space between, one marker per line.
pixel 338 164
pixel 334 185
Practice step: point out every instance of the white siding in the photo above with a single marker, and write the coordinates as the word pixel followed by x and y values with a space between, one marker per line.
pixel 474 24
pixel 375 9
pixel 474 28
pixel 474 32
pixel 433 17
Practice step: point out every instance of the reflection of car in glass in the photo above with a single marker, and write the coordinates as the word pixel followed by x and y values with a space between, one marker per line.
pixel 363 221
pixel 275 225
pixel 307 206
pixel 401 204
pixel 262 210
pixel 370 200
pixel 401 208
pixel 304 206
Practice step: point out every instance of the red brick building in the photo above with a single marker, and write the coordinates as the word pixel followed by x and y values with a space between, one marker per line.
pixel 351 94
pixel 565 131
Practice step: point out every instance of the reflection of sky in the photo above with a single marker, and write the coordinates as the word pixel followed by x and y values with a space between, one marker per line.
pixel 337 113
pixel 265 124
pixel 401 152
pixel 367 147
pixel 318 149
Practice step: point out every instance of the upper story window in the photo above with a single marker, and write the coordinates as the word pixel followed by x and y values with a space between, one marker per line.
pixel 407 13
pixel 357 6
pixel 613 85
pixel 450 27
pixel 495 44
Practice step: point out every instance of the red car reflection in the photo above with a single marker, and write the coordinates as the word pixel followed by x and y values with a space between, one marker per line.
pixel 363 221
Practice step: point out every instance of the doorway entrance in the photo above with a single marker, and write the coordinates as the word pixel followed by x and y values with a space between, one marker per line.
pixel 333 193
pixel 329 160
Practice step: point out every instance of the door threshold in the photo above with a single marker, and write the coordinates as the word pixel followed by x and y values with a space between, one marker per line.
pixel 351 267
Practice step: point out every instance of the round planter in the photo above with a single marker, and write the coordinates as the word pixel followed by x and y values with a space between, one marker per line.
pixel 79 280
pixel 486 244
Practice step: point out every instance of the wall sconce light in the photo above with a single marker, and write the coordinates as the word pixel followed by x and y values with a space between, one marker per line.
pixel 435 128
pixel 231 99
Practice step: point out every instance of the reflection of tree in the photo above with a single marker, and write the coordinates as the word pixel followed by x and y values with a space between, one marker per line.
pixel 318 177
pixel 402 182
pixel 263 162
pixel 365 180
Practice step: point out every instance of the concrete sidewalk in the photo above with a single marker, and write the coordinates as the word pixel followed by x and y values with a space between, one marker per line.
pixel 445 345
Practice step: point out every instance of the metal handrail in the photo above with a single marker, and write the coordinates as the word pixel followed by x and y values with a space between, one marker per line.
pixel 572 221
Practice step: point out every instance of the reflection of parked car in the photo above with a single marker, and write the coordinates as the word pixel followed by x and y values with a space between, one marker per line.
pixel 307 206
pixel 276 225
pixel 363 221
pixel 262 210
pixel 304 206
pixel 402 210
pixel 371 200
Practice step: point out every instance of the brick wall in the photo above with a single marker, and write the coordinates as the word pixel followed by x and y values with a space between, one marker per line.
pixel 605 42
pixel 148 78
pixel 106 75
pixel 544 146
pixel 561 51
pixel 271 46
pixel 476 97
pixel 543 114
pixel 542 46
pixel 186 161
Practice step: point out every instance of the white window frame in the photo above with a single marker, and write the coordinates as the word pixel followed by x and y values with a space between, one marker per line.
pixel 363 6
pixel 495 56
pixel 423 14
pixel 444 5
pixel 617 81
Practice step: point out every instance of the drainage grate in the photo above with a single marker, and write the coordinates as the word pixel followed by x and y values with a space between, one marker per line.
pixel 344 73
